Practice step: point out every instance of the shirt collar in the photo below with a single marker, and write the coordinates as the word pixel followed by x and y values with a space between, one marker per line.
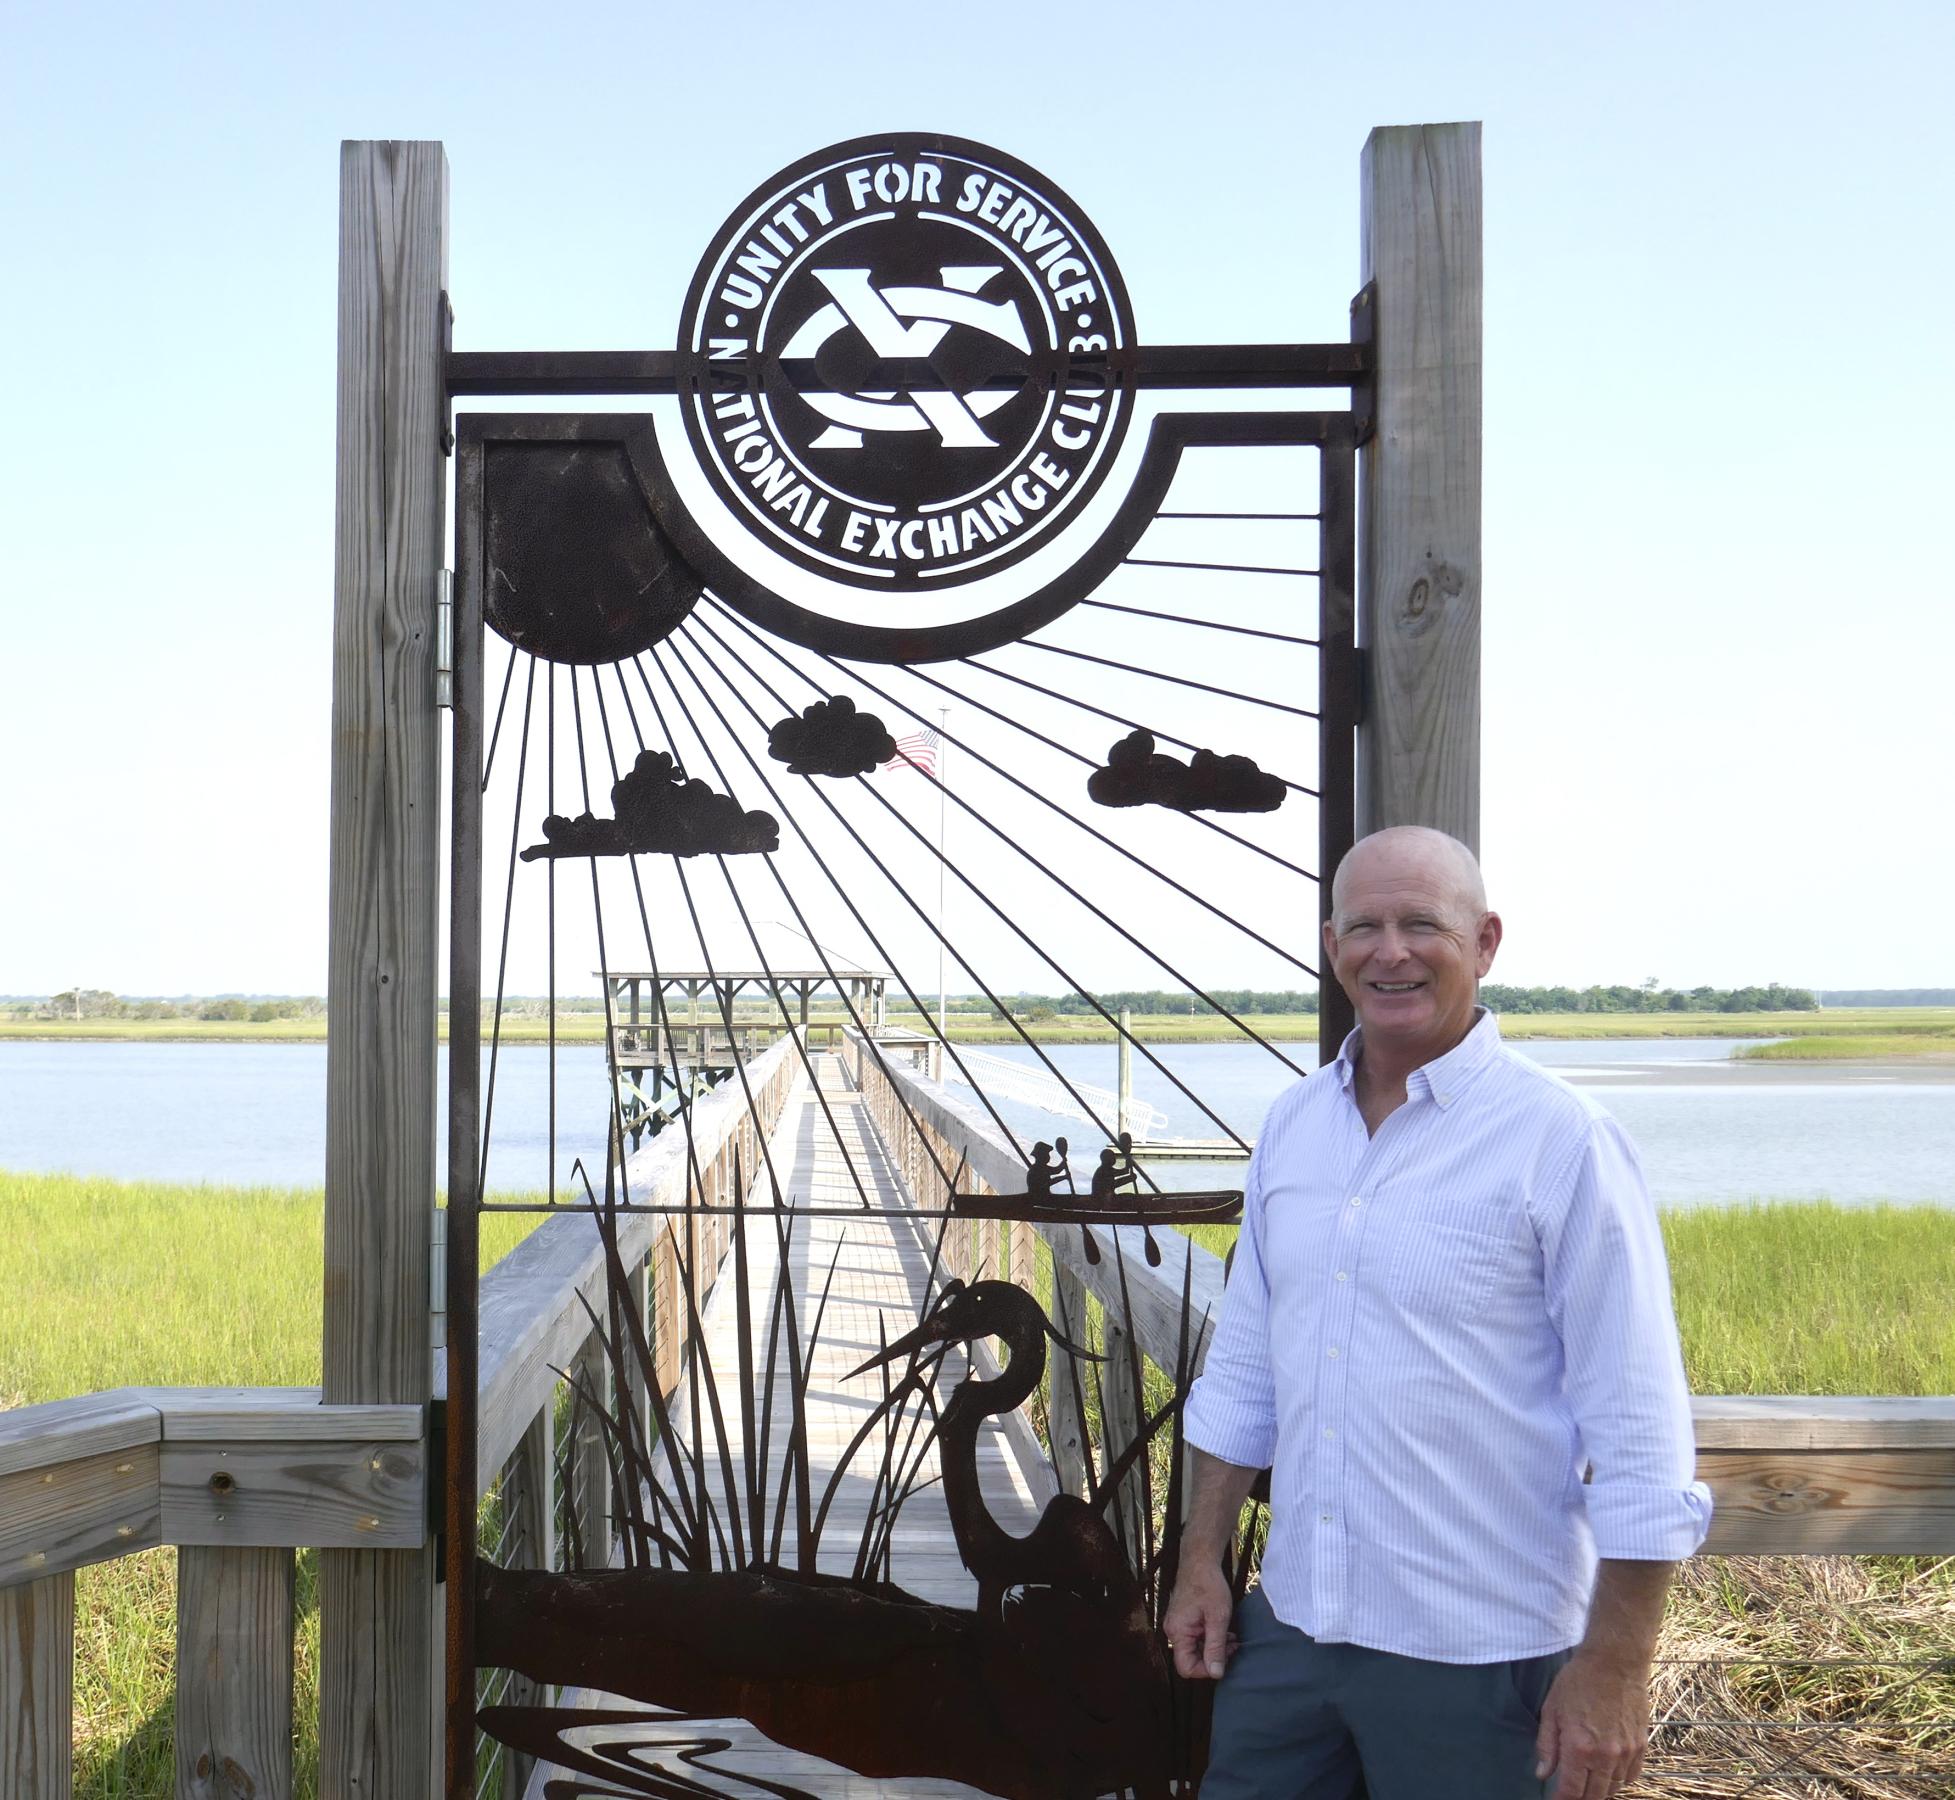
pixel 1444 1077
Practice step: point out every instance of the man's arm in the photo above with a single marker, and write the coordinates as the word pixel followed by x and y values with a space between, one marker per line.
pixel 1608 1291
pixel 1595 1724
pixel 1197 1619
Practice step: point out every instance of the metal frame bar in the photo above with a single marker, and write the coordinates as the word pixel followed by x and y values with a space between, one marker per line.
pixel 1192 366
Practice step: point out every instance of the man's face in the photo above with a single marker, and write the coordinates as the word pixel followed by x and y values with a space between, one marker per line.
pixel 1409 950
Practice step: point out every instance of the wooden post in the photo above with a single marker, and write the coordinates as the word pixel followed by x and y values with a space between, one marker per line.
pixel 37 1687
pixel 1419 568
pixel 378 1697
pixel 535 1471
pixel 1124 1414
pixel 234 1673
pixel 1123 1120
pixel 1065 1416
pixel 590 1487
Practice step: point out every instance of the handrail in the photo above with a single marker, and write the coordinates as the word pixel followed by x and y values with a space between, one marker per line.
pixel 104 1475
pixel 1792 1474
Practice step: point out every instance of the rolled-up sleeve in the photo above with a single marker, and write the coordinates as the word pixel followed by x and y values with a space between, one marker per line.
pixel 1231 1409
pixel 1608 1295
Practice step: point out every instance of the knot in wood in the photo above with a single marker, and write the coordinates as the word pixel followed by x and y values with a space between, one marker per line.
pixel 1425 599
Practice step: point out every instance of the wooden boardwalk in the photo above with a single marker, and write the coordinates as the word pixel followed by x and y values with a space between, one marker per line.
pixel 880 1270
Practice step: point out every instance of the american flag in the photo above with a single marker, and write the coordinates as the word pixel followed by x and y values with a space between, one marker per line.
pixel 917 751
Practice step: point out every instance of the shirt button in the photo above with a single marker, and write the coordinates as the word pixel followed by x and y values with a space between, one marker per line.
pixel 1333 1350
pixel 1357 1199
pixel 1445 1099
pixel 1343 1274
pixel 1328 1432
pixel 1325 1517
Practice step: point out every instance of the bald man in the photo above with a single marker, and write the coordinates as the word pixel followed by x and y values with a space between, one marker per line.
pixel 1449 1302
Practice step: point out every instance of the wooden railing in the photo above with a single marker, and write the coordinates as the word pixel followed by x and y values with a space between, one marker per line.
pixel 1791 1474
pixel 240 1478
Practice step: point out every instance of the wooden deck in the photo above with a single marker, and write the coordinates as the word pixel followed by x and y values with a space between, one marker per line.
pixel 881 1268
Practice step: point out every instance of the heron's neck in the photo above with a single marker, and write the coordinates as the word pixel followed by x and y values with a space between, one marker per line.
pixel 979 1536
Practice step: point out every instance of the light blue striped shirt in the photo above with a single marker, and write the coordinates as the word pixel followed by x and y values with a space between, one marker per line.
pixel 1426 1335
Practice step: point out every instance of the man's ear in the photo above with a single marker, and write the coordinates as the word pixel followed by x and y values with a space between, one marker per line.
pixel 1491 932
pixel 1330 947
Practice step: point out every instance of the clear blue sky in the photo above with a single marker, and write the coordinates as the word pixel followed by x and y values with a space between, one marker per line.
pixel 1719 392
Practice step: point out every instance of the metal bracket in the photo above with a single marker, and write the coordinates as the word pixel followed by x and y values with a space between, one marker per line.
pixel 1364 386
pixel 445 326
pixel 444 639
pixel 437 1466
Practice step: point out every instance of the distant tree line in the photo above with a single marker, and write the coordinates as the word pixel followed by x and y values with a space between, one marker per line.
pixel 1649 998
pixel 1887 996
pixel 99 1003
pixel 1152 1000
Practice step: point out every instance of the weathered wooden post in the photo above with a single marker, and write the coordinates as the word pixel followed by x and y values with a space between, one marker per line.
pixel 1419 567
pixel 37 1687
pixel 378 1685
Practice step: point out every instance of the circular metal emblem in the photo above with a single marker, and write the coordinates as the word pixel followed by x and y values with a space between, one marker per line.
pixel 901 362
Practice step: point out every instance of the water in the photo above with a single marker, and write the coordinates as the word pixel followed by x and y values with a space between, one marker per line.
pixel 252 1115
pixel 1710 1130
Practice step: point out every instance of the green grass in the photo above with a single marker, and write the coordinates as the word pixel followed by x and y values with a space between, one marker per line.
pixel 1912 1045
pixel 117 1283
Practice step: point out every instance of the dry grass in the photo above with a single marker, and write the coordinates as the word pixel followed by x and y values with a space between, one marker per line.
pixel 1745 1650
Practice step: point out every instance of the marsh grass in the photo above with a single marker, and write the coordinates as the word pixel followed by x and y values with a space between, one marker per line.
pixel 1848 1025
pixel 1914 1043
pixel 115 1283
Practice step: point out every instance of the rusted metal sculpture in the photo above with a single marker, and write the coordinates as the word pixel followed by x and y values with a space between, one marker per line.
pixel 1056 1686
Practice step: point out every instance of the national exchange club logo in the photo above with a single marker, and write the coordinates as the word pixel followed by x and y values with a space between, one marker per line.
pixel 900 362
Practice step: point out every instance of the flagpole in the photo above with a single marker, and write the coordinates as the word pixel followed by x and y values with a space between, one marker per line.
pixel 943 759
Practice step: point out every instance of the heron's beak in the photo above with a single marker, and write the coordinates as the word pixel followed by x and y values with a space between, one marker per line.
pixel 1066 1343
pixel 929 1332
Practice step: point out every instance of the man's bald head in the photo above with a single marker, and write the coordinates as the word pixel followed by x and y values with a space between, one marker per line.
pixel 1444 860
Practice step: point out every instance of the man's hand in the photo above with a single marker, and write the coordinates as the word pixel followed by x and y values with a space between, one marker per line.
pixel 1595 1727
pixel 1197 1622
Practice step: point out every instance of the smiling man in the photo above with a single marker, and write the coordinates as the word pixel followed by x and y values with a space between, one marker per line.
pixel 1448 1334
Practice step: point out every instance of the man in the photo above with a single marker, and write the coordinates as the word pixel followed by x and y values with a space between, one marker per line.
pixel 1448 1296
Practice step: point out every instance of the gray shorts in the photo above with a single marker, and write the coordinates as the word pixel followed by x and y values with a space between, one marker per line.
pixel 1300 1720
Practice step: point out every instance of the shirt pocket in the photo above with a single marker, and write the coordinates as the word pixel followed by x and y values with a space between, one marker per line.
pixel 1449 1270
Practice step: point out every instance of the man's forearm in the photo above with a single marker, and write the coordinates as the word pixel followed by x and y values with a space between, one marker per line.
pixel 1216 1493
pixel 1626 1612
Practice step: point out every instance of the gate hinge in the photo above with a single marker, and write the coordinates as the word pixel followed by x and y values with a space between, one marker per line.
pixel 438 1280
pixel 444 639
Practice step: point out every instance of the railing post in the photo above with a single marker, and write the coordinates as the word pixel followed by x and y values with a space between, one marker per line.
pixel 37 1687
pixel 535 1472
pixel 590 1486
pixel 378 1690
pixel 1066 1417
pixel 1120 1399
pixel 233 1673
pixel 639 1289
